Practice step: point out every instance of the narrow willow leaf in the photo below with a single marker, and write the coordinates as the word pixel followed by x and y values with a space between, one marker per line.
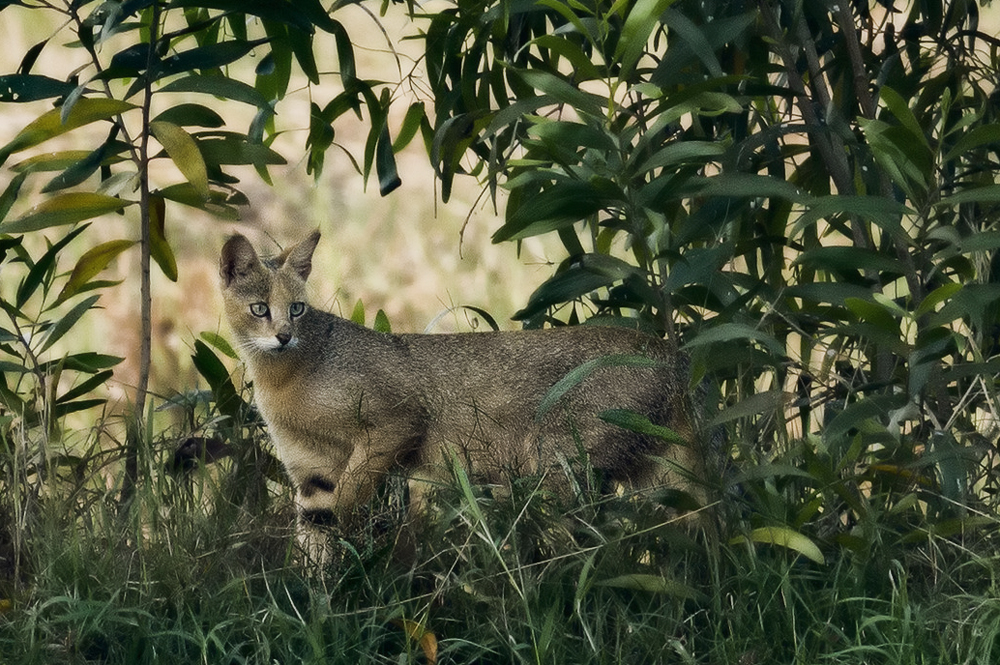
pixel 897 106
pixel 385 163
pixel 91 263
pixel 85 387
pixel 988 135
pixel 219 203
pixel 936 297
pixel 219 86
pixel 209 56
pixel 220 343
pixel 411 124
pixel 642 19
pixel 50 161
pixel 652 584
pixel 783 537
pixel 730 332
pixel 580 373
pixel 31 87
pixel 50 124
pixel 874 313
pixel 215 373
pixel 159 248
pixel 64 209
pixel 640 424
pixel 37 274
pixel 563 92
pixel 184 152
pixel 767 402
pixel 63 325
pixel 10 195
pixel 187 115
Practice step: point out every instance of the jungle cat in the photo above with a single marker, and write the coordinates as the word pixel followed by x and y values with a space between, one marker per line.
pixel 344 404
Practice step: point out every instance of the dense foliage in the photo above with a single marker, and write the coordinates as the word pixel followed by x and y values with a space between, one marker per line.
pixel 802 196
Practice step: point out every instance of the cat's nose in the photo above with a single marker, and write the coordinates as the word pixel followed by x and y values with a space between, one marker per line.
pixel 283 338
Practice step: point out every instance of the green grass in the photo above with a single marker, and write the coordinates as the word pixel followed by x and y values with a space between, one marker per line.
pixel 201 569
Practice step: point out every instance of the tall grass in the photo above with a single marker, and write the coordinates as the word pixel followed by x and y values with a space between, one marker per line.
pixel 201 568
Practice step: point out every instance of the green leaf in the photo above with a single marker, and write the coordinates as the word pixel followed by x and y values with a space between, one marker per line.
pixel 85 387
pixel 219 86
pixel 385 163
pixel 653 584
pixel 640 424
pixel 188 115
pixel 227 400
pixel 580 373
pixel 209 56
pixel 159 248
pixel 64 209
pixel 91 263
pixel 873 313
pixel 31 87
pixel 63 325
pixel 381 323
pixel 768 402
pixel 79 170
pixel 220 343
pixel 561 204
pixel 726 333
pixel 184 152
pixel 585 275
pixel 42 267
pixel 936 297
pixel 219 203
pixel 984 135
pixel 642 19
pixel 843 260
pixel 897 106
pixel 883 211
pixel 358 315
pixel 10 195
pixel 50 124
pixel 783 537
pixel 235 149
pixel 563 92
pixel 411 124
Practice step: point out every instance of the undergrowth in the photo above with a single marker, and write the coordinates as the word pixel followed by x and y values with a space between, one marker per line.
pixel 202 568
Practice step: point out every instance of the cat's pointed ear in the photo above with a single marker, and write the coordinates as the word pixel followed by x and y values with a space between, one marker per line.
pixel 238 260
pixel 299 257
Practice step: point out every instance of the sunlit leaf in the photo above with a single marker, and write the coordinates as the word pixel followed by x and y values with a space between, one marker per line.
pixel 184 152
pixel 50 123
pixel 91 263
pixel 642 19
pixel 220 343
pixel 783 537
pixel 66 208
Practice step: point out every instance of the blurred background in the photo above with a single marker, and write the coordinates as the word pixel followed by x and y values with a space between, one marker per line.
pixel 407 254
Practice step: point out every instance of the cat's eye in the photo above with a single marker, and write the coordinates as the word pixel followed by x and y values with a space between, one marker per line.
pixel 259 309
pixel 296 309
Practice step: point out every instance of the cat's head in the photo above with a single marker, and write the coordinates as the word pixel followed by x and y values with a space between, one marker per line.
pixel 265 298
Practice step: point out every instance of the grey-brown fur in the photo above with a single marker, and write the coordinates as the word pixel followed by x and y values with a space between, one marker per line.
pixel 345 404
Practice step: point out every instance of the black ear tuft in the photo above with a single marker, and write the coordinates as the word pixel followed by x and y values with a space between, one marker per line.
pixel 238 259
